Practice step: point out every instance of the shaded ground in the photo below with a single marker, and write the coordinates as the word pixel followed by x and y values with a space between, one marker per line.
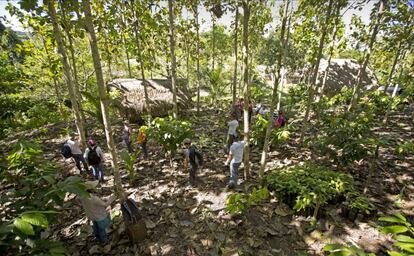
pixel 184 220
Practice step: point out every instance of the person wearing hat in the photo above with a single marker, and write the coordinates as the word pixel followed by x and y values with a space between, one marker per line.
pixel 76 152
pixel 193 157
pixel 95 210
pixel 235 159
pixel 95 158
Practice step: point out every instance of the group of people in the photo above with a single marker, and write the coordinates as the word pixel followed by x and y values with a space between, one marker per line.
pixel 235 144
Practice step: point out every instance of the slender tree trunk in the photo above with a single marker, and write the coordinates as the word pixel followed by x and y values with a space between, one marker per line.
pixel 236 25
pixel 171 9
pixel 127 56
pixel 67 72
pixel 338 17
pixel 277 79
pixel 316 68
pixel 73 63
pixel 104 99
pixel 55 84
pixel 246 90
pixel 198 55
pixel 141 62
pixel 214 43
pixel 362 71
pixel 394 64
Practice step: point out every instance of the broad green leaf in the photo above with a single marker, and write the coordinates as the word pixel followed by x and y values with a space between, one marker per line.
pixel 395 253
pixel 332 247
pixel 409 247
pixel 403 238
pixel 341 253
pixel 394 229
pixel 35 218
pixel 394 219
pixel 23 226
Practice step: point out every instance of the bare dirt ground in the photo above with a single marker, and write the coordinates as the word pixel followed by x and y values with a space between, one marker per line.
pixel 185 220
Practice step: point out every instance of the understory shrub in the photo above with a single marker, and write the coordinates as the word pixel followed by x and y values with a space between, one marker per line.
pixel 238 203
pixel 32 196
pixel 311 187
pixel 258 132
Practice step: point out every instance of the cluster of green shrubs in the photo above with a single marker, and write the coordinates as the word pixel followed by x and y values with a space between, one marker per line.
pixel 32 197
pixel 311 187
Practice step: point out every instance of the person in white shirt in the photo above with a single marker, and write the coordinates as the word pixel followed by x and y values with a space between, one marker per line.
pixel 95 158
pixel 235 159
pixel 76 152
pixel 231 133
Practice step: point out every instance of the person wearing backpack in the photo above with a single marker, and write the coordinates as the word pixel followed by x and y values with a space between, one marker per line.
pixel 193 157
pixel 235 159
pixel 72 145
pixel 95 158
pixel 95 210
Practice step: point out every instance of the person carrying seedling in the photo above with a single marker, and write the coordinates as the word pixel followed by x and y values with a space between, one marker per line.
pixel 142 139
pixel 95 158
pixel 231 133
pixel 235 159
pixel 95 210
pixel 193 157
pixel 72 147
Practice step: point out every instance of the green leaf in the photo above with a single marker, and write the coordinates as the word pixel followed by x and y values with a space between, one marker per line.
pixel 397 218
pixel 403 238
pixel 332 247
pixel 394 229
pixel 35 218
pixel 23 226
pixel 394 253
pixel 409 247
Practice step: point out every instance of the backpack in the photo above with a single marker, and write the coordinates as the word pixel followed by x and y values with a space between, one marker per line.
pixel 93 157
pixel 66 151
pixel 135 225
pixel 195 156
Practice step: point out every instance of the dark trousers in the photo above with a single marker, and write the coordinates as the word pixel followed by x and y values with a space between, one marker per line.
pixel 99 229
pixel 78 159
pixel 144 149
pixel 192 171
pixel 97 171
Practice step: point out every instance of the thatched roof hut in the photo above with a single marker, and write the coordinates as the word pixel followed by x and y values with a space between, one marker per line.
pixel 159 93
pixel 344 72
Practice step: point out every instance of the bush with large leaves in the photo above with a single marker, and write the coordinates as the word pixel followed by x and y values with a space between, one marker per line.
pixel 31 197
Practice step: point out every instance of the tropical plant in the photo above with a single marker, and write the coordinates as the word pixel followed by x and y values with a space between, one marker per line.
pixel 129 160
pixel 239 203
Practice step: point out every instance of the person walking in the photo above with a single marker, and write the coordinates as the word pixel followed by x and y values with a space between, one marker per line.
pixel 235 159
pixel 126 136
pixel 95 158
pixel 193 157
pixel 95 210
pixel 76 152
pixel 231 133
pixel 142 139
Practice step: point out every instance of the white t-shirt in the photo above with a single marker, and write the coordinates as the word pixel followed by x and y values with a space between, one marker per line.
pixel 233 124
pixel 74 147
pixel 236 150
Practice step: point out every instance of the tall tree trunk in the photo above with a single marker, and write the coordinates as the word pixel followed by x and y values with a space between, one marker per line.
pixel 316 68
pixel 171 9
pixel 362 70
pixel 55 83
pixel 67 72
pixel 277 79
pixel 338 17
pixel 236 25
pixel 104 99
pixel 213 43
pixel 124 41
pixel 73 63
pixel 141 61
pixel 394 64
pixel 246 87
pixel 198 54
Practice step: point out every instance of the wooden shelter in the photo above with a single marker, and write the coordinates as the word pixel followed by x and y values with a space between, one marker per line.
pixel 159 93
